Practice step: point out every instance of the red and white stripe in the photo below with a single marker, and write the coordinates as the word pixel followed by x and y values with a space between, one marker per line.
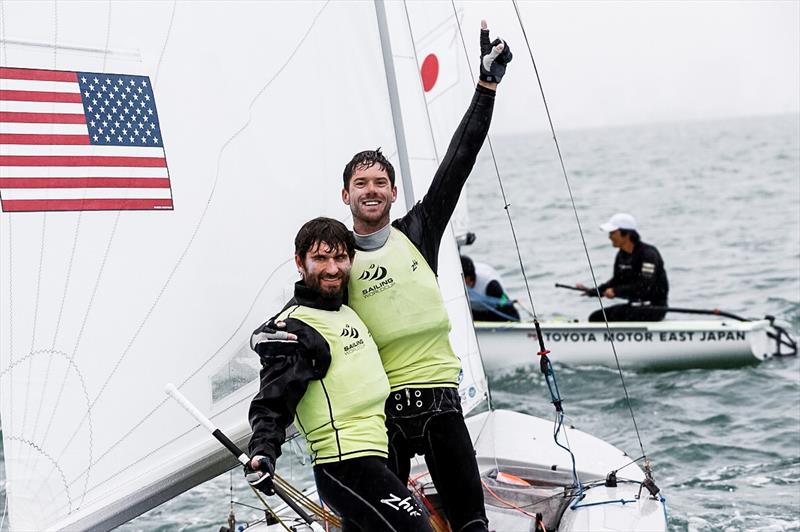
pixel 47 162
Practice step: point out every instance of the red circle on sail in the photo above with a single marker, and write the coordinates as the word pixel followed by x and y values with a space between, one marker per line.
pixel 429 72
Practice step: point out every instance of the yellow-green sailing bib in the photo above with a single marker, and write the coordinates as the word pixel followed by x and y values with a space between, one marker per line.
pixel 342 415
pixel 396 294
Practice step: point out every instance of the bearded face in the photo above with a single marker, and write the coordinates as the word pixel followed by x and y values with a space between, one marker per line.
pixel 325 269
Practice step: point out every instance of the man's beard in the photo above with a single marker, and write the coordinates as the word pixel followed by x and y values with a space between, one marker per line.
pixel 327 292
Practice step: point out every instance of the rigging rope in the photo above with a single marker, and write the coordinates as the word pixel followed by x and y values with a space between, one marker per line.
pixel 580 230
pixel 545 365
pixel 270 510
pixel 308 503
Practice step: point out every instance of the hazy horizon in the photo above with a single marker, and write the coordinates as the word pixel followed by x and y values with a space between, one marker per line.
pixel 545 129
pixel 617 63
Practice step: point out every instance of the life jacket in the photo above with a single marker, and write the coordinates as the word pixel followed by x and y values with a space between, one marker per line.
pixel 396 293
pixel 342 414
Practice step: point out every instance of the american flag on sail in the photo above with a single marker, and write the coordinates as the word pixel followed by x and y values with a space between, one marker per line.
pixel 80 141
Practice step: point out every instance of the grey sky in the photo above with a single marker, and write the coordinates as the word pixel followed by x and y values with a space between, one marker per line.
pixel 610 63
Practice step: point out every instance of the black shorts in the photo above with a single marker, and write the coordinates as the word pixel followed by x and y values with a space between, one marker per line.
pixel 369 497
pixel 429 422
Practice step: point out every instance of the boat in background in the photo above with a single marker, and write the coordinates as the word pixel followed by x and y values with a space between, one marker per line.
pixel 661 345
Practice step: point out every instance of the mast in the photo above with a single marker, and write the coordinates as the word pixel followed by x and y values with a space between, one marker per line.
pixel 394 100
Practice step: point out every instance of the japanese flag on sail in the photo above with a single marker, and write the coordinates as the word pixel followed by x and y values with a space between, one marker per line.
pixel 80 141
pixel 440 54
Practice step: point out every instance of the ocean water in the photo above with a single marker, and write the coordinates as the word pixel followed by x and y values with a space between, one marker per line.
pixel 721 201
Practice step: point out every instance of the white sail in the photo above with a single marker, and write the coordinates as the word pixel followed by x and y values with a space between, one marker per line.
pixel 260 105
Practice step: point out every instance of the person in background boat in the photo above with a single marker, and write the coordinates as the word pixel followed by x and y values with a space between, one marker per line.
pixel 394 289
pixel 639 276
pixel 330 381
pixel 487 298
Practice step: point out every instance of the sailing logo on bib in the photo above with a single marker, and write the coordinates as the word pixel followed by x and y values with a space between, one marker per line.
pixel 377 273
pixel 373 273
pixel 351 332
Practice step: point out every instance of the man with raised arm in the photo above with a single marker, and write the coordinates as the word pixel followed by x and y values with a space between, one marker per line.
pixel 394 289
pixel 328 378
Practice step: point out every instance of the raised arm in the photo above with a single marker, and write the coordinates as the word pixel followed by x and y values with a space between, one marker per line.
pixel 426 222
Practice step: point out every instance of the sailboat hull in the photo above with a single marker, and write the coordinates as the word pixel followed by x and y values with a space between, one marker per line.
pixel 639 345
pixel 523 446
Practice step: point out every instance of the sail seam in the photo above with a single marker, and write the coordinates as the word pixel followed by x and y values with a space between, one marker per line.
pixel 41 451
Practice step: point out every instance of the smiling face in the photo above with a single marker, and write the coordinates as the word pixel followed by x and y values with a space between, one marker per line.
pixel 325 269
pixel 370 195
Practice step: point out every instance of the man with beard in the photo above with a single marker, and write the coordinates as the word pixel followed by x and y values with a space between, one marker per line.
pixel 395 291
pixel 330 380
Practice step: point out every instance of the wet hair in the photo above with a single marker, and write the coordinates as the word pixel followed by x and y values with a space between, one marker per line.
pixel 635 238
pixel 468 266
pixel 367 159
pixel 332 233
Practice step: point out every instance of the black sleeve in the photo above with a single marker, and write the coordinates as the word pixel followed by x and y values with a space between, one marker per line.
pixel 426 222
pixel 602 287
pixel 286 369
pixel 613 282
pixel 642 287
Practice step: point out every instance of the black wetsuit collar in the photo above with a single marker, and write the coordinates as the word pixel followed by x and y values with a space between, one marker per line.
pixel 308 297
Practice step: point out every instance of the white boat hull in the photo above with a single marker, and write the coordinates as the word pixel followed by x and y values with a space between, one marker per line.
pixel 639 345
pixel 523 446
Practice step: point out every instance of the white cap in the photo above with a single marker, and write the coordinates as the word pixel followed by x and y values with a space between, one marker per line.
pixel 620 220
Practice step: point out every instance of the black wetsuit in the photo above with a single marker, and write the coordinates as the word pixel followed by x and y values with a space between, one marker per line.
pixel 286 370
pixel 641 278
pixel 363 490
pixel 436 429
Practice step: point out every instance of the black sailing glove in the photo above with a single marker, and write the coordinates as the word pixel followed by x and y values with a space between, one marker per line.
pixel 495 56
pixel 261 478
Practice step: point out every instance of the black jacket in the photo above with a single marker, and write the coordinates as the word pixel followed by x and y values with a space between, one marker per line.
pixel 426 222
pixel 639 276
pixel 286 369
